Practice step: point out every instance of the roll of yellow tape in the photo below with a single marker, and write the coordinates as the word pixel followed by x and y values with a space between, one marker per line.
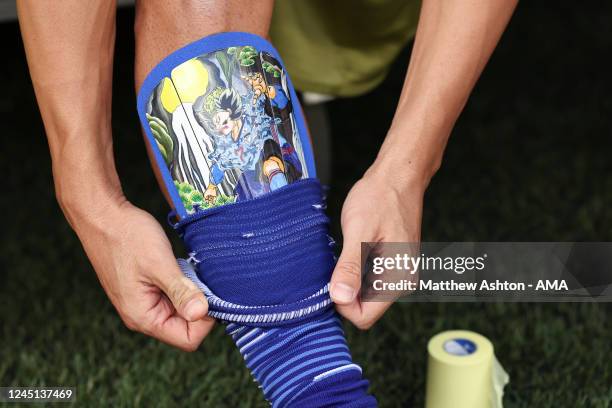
pixel 463 372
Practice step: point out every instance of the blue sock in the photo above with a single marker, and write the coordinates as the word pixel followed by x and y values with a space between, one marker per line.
pixel 229 139
pixel 264 266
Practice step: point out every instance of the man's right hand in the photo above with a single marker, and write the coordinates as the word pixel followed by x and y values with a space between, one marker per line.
pixel 135 264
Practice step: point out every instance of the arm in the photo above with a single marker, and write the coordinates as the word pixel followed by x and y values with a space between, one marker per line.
pixel 454 41
pixel 69 46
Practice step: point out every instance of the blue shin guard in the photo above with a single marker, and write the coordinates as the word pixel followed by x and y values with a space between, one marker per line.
pixel 229 139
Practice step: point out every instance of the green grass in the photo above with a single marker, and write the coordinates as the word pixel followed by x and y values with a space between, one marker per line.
pixel 529 160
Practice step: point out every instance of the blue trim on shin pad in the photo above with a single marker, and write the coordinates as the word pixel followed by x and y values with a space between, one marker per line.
pixel 264 265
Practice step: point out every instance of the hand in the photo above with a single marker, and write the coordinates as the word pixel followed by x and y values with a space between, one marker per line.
pixel 136 267
pixel 258 84
pixel 210 194
pixel 379 208
pixel 272 166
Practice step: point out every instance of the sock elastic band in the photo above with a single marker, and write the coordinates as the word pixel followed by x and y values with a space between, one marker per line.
pixel 271 252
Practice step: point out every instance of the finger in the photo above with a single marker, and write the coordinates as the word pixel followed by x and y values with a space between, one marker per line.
pixel 185 335
pixel 363 314
pixel 186 297
pixel 174 330
pixel 346 278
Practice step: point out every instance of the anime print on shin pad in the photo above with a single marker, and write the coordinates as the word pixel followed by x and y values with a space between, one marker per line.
pixel 225 125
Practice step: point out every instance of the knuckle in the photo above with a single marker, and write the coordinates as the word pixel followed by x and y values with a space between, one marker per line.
pixel 362 322
pixel 189 347
pixel 130 323
pixel 190 344
pixel 180 291
pixel 365 324
pixel 351 269
pixel 148 329
pixel 153 324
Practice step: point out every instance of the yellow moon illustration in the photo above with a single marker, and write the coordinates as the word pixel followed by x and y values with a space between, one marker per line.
pixel 189 80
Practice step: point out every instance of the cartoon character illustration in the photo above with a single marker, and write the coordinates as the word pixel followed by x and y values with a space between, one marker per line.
pixel 280 109
pixel 259 86
pixel 227 118
pixel 224 124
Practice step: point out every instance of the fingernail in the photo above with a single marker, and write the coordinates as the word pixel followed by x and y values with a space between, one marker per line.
pixel 195 309
pixel 341 292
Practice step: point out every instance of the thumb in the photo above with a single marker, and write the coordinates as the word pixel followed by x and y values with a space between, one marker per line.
pixel 346 278
pixel 186 297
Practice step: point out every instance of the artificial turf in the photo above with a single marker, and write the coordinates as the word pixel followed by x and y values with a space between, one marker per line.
pixel 529 160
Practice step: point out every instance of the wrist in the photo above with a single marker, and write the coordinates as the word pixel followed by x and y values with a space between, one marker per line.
pixel 404 169
pixel 87 197
pixel 85 215
pixel 405 184
pixel 411 155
